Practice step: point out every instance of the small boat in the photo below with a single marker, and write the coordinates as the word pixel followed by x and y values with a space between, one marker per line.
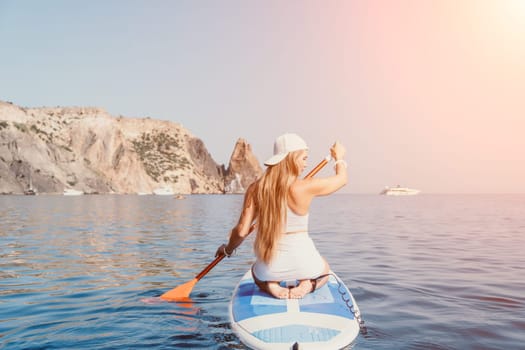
pixel 325 319
pixel 72 192
pixel 30 192
pixel 164 191
pixel 398 191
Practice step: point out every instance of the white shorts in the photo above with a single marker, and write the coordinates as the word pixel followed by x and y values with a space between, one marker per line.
pixel 296 258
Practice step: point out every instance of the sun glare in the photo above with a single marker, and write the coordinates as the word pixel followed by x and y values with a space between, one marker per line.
pixel 513 14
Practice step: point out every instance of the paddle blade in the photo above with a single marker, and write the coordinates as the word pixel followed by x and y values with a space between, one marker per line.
pixel 180 293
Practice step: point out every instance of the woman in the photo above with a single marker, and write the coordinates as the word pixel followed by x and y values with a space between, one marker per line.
pixel 279 202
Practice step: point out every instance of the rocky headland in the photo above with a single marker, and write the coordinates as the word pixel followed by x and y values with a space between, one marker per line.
pixel 87 149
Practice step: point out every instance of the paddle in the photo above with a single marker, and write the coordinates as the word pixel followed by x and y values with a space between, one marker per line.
pixel 183 291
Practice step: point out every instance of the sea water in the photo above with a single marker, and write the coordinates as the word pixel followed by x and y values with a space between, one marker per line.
pixel 427 271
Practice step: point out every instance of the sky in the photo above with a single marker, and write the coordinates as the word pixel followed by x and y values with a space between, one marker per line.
pixel 423 94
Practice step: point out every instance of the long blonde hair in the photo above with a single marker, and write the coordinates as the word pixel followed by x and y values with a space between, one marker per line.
pixel 271 198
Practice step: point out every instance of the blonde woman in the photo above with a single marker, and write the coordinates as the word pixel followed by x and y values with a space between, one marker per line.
pixel 279 202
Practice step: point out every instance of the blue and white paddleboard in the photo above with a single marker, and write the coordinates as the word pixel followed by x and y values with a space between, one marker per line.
pixel 321 320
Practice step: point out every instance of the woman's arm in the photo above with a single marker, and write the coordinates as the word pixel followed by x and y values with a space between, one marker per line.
pixel 303 191
pixel 243 227
pixel 327 185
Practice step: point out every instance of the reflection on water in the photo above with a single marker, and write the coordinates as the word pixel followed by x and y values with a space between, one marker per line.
pixel 440 272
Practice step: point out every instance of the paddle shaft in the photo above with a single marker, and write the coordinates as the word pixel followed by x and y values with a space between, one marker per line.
pixel 218 259
pixel 209 267
pixel 317 168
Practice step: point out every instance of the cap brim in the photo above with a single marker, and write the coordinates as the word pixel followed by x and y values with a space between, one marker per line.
pixel 275 159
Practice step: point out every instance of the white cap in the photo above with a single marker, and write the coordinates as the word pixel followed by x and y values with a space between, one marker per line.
pixel 283 145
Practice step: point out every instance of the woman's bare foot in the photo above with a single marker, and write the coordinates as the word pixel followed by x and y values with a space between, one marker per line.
pixel 277 291
pixel 304 287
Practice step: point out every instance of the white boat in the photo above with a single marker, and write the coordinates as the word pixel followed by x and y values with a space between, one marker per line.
pixel 164 191
pixel 30 192
pixel 399 191
pixel 72 192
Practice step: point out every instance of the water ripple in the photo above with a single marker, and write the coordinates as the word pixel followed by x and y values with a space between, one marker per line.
pixel 430 272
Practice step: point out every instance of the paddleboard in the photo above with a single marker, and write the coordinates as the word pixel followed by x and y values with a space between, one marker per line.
pixel 320 320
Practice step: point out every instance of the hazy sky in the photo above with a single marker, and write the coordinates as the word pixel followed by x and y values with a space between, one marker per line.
pixel 425 94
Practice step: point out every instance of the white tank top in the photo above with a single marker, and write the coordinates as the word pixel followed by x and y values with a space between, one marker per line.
pixel 295 223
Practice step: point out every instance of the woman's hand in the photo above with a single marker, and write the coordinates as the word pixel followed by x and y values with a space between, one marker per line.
pixel 337 151
pixel 220 250
pixel 223 250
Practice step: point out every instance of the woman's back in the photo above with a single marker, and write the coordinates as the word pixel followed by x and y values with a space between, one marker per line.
pixel 294 222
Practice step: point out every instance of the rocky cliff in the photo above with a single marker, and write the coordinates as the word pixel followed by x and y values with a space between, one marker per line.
pixel 89 150
pixel 243 169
